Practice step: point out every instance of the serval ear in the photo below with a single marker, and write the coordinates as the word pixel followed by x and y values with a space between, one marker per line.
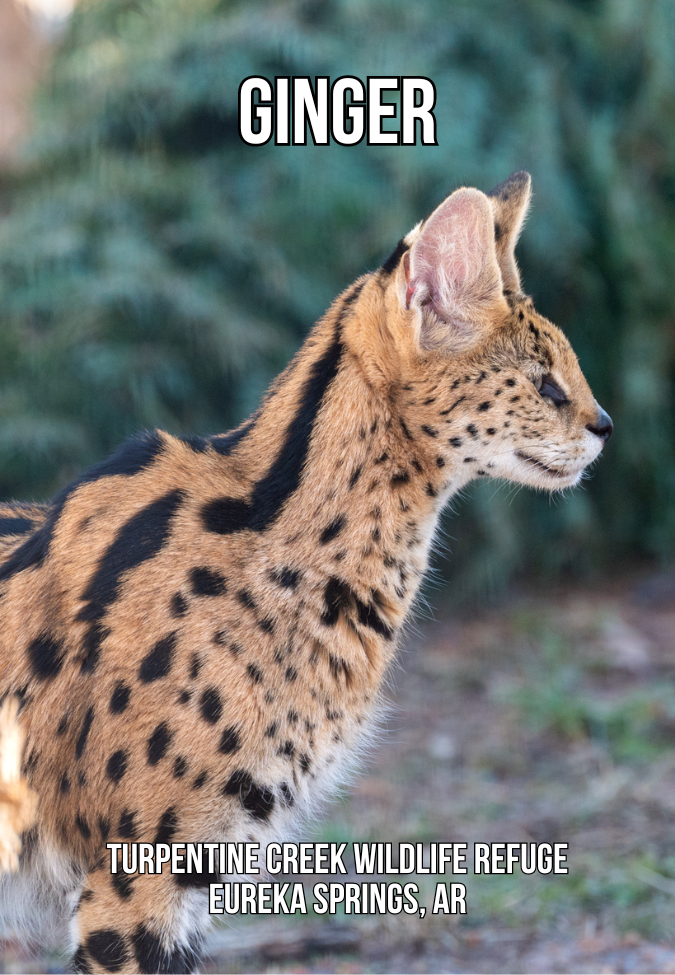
pixel 510 201
pixel 452 276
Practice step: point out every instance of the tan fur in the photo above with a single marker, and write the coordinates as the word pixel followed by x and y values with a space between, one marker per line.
pixel 304 606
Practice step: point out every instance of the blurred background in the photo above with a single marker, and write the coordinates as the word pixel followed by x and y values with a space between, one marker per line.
pixel 156 271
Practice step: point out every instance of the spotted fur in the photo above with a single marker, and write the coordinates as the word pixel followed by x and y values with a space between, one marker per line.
pixel 198 628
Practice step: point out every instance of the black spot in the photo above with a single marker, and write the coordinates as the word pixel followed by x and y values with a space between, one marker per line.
pixel 122 885
pixel 63 724
pixel 382 458
pixel 46 656
pixel 224 516
pixel 150 954
pixel 180 767
pixel 207 582
pixel 440 462
pixel 91 646
pixel 81 743
pixel 158 743
pixel 288 578
pixel 305 763
pixel 139 540
pixel 333 529
pixel 83 826
pixel 255 674
pixel 108 948
pixel 417 466
pixel 196 879
pixel 291 674
pixel 287 749
pixel 256 799
pixel 337 596
pixel 455 404
pixel 356 474
pixel 510 382
pixel 401 477
pixel 195 666
pixel 127 828
pixel 117 765
pixel 227 515
pixel 430 432
pixel 168 825
pixel 431 490
pixel 184 697
pixel 230 741
pixel 394 258
pixel 406 433
pixel 79 962
pixel 483 407
pixel 15 526
pixel 65 783
pixel 490 431
pixel 210 705
pixel 224 443
pixel 368 616
pixel 157 663
pixel 266 624
pixel 472 429
pixel 246 599
pixel 178 605
pixel 272 729
pixel 200 780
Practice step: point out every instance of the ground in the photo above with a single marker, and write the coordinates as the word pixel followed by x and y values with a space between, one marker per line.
pixel 548 718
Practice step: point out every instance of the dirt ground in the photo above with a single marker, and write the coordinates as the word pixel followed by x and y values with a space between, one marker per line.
pixel 551 718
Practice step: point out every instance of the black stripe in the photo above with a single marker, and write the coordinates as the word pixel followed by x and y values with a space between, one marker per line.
pixel 138 540
pixel 227 515
pixel 131 458
pixel 394 258
pixel 15 526
pixel 353 295
pixel 225 443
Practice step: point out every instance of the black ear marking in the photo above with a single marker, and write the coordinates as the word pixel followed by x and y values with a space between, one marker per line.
pixel 516 183
pixel 394 258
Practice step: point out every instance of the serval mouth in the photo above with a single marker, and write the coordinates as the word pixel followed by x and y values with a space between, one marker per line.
pixel 541 466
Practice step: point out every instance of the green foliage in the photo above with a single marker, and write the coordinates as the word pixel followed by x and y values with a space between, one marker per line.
pixel 154 270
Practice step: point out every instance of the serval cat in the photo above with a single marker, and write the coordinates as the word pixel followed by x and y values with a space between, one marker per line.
pixel 198 628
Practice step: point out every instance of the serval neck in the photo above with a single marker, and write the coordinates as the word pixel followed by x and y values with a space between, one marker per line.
pixel 354 492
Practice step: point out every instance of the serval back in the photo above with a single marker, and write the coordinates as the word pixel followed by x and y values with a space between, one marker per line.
pixel 198 628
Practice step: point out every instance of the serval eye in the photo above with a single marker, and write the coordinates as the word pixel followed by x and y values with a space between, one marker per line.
pixel 548 388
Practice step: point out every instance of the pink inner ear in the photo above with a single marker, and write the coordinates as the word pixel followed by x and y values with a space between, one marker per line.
pixel 453 262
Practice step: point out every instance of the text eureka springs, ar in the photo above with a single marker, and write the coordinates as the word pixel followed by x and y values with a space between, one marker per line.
pixel 208 862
